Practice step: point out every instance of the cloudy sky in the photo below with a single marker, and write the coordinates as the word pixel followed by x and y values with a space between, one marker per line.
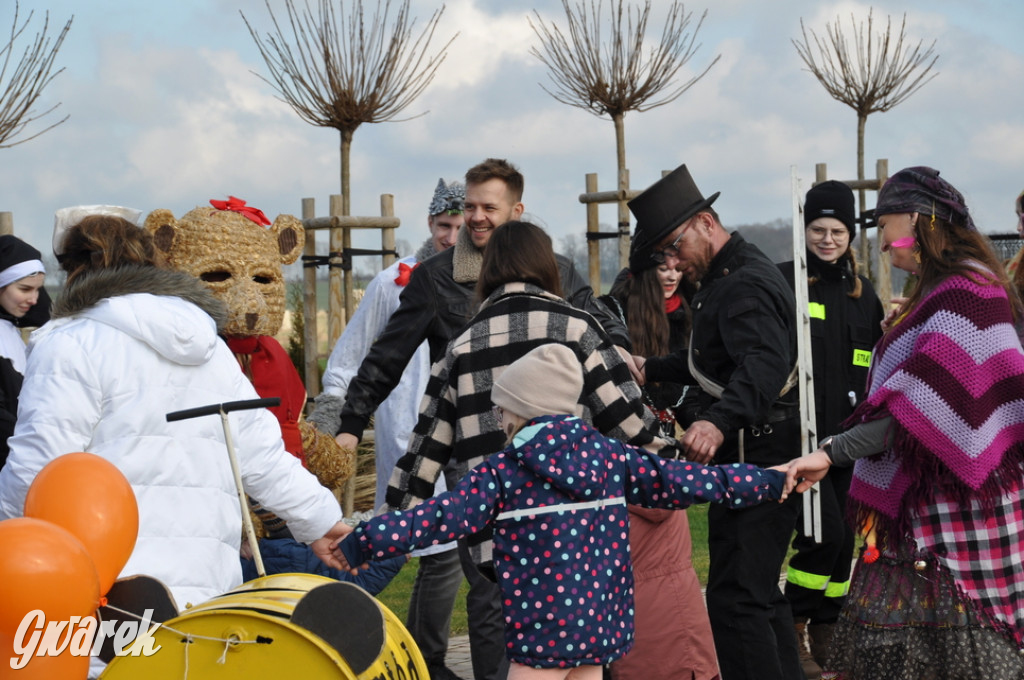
pixel 166 112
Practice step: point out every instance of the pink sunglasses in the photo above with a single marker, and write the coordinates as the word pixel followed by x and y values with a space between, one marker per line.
pixel 905 242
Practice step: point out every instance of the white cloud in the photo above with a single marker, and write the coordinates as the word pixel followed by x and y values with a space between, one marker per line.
pixel 166 113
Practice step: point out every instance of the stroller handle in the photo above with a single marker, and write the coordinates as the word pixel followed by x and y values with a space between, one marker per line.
pixel 226 407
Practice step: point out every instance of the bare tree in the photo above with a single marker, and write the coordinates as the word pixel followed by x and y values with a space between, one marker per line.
pixel 610 77
pixel 868 72
pixel 336 71
pixel 23 81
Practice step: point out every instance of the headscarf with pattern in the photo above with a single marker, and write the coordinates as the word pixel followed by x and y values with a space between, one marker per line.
pixel 921 190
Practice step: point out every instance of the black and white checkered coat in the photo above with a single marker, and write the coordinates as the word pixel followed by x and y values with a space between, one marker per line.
pixel 457 428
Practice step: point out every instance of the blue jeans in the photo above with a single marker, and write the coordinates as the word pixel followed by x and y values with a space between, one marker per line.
pixel 430 605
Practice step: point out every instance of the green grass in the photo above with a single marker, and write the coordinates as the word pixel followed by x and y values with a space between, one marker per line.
pixel 396 597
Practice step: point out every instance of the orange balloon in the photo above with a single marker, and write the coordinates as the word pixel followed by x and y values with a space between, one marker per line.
pixel 44 567
pixel 91 498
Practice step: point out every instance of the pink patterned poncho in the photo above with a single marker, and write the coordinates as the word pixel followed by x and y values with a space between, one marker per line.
pixel 951 375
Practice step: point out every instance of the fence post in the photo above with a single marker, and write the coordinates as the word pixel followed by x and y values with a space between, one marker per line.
pixel 387 234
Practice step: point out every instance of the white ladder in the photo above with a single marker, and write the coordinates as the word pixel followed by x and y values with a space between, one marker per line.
pixel 805 367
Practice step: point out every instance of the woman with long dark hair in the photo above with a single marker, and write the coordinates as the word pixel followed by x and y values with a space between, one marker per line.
pixel 672 634
pixel 937 447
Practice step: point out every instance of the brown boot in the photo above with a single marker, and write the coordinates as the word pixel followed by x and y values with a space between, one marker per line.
pixel 812 671
pixel 820 635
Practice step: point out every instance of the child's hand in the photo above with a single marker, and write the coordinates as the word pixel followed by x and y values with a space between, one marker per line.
pixel 803 472
pixel 345 553
pixel 786 487
pixel 322 546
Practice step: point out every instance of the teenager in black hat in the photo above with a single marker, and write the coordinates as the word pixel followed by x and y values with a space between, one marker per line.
pixel 742 351
pixel 23 304
pixel 846 317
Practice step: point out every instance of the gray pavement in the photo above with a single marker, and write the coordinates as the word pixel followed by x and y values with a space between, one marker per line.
pixel 458 657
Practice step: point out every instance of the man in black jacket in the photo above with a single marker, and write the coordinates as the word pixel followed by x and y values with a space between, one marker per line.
pixel 435 305
pixel 743 348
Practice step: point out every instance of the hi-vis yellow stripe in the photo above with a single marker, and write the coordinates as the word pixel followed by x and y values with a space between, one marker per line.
pixel 862 357
pixel 816 310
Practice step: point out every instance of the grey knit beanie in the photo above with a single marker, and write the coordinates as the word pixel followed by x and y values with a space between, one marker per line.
pixel 547 380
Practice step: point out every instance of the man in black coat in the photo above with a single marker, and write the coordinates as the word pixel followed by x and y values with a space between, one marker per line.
pixel 743 349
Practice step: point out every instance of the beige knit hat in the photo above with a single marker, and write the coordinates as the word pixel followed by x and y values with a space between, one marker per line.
pixel 547 380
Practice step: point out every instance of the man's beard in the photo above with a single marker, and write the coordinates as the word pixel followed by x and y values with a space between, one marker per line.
pixel 700 265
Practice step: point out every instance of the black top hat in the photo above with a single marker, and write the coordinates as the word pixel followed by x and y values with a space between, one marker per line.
pixel 661 208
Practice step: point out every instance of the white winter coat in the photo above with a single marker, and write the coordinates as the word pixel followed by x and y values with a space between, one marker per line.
pixel 103 377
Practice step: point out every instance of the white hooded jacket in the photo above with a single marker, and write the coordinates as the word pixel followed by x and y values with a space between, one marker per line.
pixel 126 347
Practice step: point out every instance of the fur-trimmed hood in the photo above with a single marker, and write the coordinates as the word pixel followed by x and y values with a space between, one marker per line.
pixel 181 323
pixel 93 287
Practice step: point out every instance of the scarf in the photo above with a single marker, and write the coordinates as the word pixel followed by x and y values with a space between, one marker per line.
pixel 467 259
pixel 268 366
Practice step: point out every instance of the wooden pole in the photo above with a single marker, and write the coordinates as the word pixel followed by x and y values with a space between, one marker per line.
pixel 623 223
pixel 387 234
pixel 885 291
pixel 6 224
pixel 311 339
pixel 593 226
pixel 336 318
pixel 350 291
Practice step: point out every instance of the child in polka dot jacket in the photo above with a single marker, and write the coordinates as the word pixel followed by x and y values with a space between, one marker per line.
pixel 555 499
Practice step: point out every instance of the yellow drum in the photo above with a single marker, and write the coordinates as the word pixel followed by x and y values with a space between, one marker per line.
pixel 281 626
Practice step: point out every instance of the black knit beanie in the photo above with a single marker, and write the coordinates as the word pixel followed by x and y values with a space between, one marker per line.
pixel 831 199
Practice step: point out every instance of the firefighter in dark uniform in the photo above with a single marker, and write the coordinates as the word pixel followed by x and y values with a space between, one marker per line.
pixel 846 317
pixel 742 353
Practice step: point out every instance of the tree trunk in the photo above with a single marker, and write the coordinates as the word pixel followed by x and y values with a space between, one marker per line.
pixel 865 249
pixel 338 290
pixel 623 185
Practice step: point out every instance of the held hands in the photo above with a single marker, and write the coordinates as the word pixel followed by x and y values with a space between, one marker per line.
pixel 342 549
pixel 804 472
pixel 322 546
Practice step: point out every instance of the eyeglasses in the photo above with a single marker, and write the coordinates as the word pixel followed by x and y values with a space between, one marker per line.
pixel 671 250
pixel 819 233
